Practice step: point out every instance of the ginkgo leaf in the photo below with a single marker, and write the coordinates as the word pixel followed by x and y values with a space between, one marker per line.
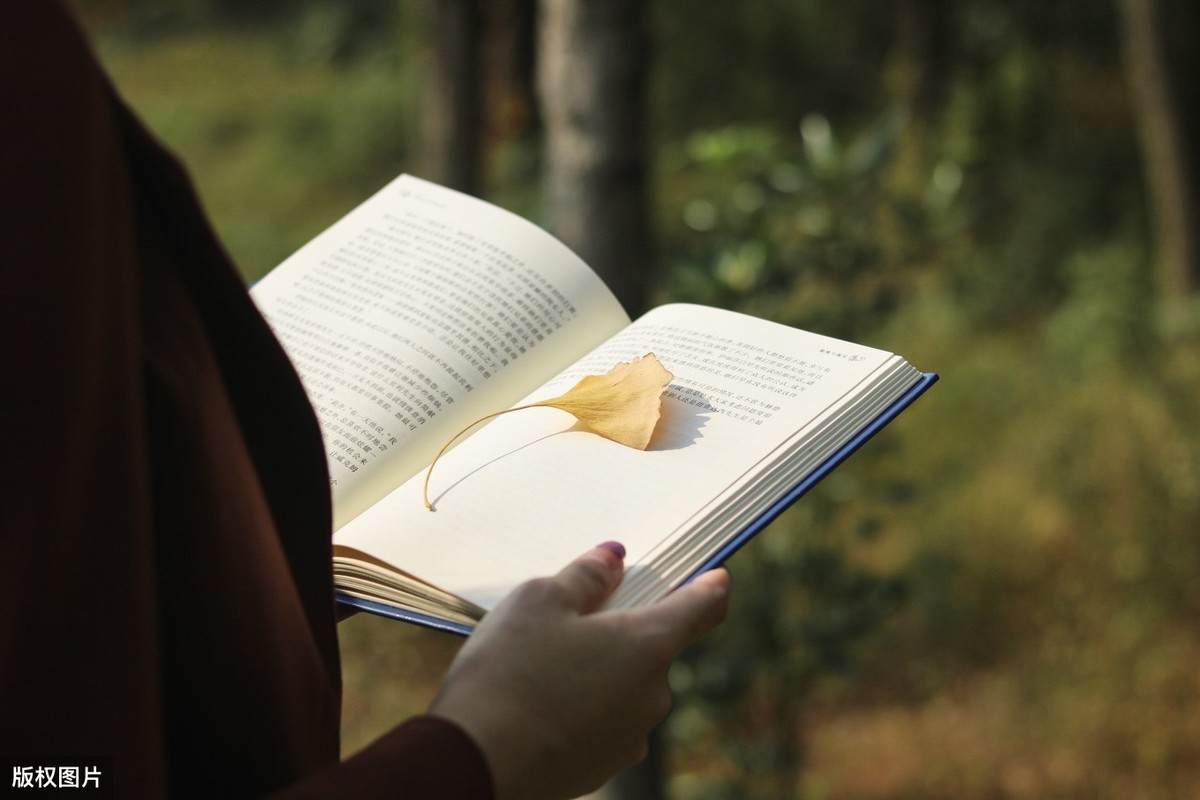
pixel 623 405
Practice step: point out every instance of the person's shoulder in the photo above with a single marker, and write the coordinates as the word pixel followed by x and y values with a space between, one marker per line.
pixel 46 63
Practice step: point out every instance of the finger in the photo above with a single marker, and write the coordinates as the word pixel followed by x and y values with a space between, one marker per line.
pixel 591 578
pixel 694 608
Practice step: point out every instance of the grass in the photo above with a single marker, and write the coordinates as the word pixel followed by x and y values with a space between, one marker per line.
pixel 1048 648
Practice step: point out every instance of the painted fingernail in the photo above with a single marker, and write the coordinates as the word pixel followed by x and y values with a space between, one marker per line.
pixel 616 548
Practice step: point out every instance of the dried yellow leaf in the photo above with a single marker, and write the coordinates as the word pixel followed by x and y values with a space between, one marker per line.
pixel 623 405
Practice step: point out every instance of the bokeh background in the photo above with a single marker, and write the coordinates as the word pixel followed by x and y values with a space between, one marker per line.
pixel 996 598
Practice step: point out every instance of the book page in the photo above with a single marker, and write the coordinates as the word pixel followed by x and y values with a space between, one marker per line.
pixel 531 491
pixel 418 312
pixel 743 502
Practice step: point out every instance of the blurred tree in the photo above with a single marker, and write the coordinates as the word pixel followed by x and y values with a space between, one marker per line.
pixel 917 78
pixel 1162 59
pixel 509 55
pixel 479 94
pixel 592 76
pixel 453 95
pixel 923 44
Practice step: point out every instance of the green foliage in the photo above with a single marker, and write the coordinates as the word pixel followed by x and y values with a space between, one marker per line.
pixel 800 229
pixel 1108 313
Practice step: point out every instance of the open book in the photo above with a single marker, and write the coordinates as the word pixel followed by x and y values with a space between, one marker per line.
pixel 424 309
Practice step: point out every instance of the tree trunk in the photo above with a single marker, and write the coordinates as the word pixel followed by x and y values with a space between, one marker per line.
pixel 509 53
pixel 917 80
pixel 454 104
pixel 1160 57
pixel 922 55
pixel 591 60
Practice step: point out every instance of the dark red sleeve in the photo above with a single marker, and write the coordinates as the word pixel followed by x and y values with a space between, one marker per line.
pixel 76 632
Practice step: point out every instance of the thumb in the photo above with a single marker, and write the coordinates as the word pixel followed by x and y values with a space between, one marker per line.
pixel 590 579
pixel 693 608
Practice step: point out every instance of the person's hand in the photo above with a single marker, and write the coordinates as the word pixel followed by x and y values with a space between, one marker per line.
pixel 560 696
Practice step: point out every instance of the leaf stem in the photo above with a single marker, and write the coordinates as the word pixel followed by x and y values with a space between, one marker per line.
pixel 457 436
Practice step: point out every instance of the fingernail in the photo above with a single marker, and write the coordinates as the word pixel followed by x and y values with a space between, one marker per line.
pixel 616 548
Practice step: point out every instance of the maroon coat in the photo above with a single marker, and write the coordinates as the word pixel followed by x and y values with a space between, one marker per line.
pixel 165 584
